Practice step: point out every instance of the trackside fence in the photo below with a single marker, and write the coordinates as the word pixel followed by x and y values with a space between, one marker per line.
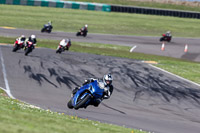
pixel 103 7
pixel 60 4
pixel 154 11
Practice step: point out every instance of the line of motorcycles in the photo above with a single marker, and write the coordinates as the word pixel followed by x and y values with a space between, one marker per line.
pixel 26 45
pixel 29 46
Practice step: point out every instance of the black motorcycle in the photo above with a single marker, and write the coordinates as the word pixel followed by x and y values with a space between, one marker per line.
pixel 47 28
pixel 29 48
pixel 82 33
pixel 165 38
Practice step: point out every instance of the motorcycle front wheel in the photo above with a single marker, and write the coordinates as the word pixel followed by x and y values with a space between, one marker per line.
pixel 27 51
pixel 161 39
pixel 43 29
pixel 69 105
pixel 82 102
pixel 15 48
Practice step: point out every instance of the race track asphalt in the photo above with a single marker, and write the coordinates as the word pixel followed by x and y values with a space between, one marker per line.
pixel 144 97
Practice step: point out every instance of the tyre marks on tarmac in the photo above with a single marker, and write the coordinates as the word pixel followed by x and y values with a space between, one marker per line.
pixel 144 97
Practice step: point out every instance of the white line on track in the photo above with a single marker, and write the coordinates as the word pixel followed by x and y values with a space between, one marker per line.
pixel 2 88
pixel 7 90
pixel 131 50
pixel 175 75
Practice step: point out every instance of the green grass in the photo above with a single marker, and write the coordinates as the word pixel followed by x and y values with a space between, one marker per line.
pixel 69 20
pixel 18 117
pixel 151 4
pixel 187 69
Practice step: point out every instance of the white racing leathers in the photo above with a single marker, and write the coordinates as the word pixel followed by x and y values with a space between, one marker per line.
pixel 63 43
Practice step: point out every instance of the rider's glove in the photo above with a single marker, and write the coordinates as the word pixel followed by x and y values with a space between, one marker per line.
pixel 106 94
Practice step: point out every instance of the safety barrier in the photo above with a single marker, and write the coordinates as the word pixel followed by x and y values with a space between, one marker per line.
pixel 154 11
pixel 60 4
pixel 102 7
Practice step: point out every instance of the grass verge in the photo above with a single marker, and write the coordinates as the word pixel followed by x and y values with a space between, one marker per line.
pixel 70 20
pixel 18 117
pixel 187 69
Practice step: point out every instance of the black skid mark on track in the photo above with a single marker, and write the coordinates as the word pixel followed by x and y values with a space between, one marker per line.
pixel 38 77
pixel 113 108
pixel 63 79
pixel 147 81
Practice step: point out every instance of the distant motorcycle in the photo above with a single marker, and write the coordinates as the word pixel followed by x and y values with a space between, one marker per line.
pixel 62 48
pixel 29 48
pixel 18 45
pixel 85 95
pixel 47 28
pixel 165 38
pixel 81 33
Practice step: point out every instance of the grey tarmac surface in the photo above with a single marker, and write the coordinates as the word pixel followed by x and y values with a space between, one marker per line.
pixel 149 45
pixel 144 97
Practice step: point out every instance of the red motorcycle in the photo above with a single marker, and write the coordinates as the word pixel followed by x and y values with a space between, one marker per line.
pixel 165 38
pixel 19 44
pixel 61 48
pixel 82 33
pixel 30 46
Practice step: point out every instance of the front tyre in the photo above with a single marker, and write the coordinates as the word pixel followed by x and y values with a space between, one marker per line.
pixel 28 50
pixel 59 51
pixel 43 29
pixel 82 102
pixel 161 39
pixel 78 34
pixel 15 48
pixel 69 105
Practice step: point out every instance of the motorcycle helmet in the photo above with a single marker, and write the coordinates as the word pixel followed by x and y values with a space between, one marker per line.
pixel 169 32
pixel 86 25
pixel 50 22
pixel 107 79
pixel 22 36
pixel 32 36
pixel 66 40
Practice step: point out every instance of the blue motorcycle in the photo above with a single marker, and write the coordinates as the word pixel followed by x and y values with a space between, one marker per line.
pixel 86 95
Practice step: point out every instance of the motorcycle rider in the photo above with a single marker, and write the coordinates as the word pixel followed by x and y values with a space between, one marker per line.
pixel 168 34
pixel 32 39
pixel 66 43
pixel 105 83
pixel 84 29
pixel 22 38
pixel 48 24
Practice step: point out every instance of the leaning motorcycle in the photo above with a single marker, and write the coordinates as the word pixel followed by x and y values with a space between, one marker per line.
pixel 18 45
pixel 85 95
pixel 29 48
pixel 165 38
pixel 47 28
pixel 82 33
pixel 61 48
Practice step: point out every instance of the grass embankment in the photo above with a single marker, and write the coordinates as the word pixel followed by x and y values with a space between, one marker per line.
pixel 69 20
pixel 17 117
pixel 187 69
pixel 164 4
